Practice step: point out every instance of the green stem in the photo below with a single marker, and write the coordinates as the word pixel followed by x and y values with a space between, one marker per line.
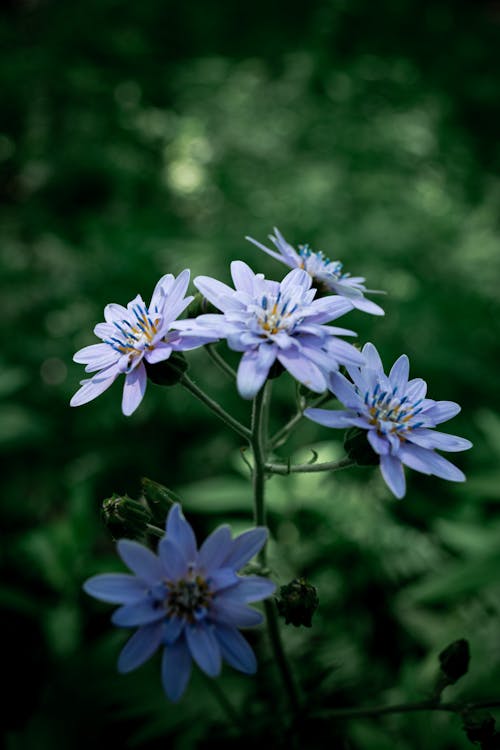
pixel 228 708
pixel 220 361
pixel 282 435
pixel 258 442
pixel 188 384
pixel 399 708
pixel 308 468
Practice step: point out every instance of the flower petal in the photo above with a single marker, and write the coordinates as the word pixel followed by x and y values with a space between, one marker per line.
pixel 398 375
pixel 172 629
pixel 204 648
pixel 441 411
pixel 302 369
pixel 245 546
pixel 372 357
pixel 140 647
pixel 116 588
pixel 379 443
pixel 416 389
pixel 134 389
pixel 222 578
pixel 175 669
pixel 235 649
pixel 216 292
pixel 214 549
pixel 161 352
pixel 272 253
pixel 243 276
pixel 253 370
pixel 428 462
pixel 229 611
pixel 343 390
pixel 253 589
pixel 367 306
pixel 393 474
pixel 173 561
pixel 440 440
pixel 141 561
pixel 180 532
pixel 330 418
pixel 93 388
pixel 140 613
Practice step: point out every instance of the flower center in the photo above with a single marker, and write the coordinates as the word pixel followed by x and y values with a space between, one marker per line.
pixel 188 598
pixel 276 314
pixel 390 413
pixel 316 263
pixel 134 336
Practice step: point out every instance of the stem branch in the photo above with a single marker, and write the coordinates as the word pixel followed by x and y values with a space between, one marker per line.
pixel 307 468
pixel 215 407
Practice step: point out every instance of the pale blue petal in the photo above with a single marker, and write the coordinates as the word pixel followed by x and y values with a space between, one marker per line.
pixel 416 389
pixel 441 411
pixel 116 588
pixel 433 462
pixel 253 370
pixel 204 648
pixel 327 308
pixel 159 353
pixel 172 629
pixel 216 292
pixel 398 375
pixel 302 369
pixel 114 313
pixel 367 306
pixel 222 579
pixel 235 649
pixel 433 439
pixel 140 560
pixel 175 669
pixel 413 457
pixel 214 549
pixel 175 302
pixel 253 589
pixel 180 532
pixel 140 647
pixel 174 563
pixel 245 546
pixel 134 389
pixel 229 611
pixel 344 353
pixel 372 357
pixel 296 279
pixel 243 276
pixel 272 253
pixel 140 613
pixel 93 388
pixel 393 474
pixel 160 292
pixel 328 418
pixel 379 443
pixel 344 390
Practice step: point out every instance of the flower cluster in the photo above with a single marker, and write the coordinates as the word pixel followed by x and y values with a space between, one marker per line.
pixel 190 602
pixel 399 419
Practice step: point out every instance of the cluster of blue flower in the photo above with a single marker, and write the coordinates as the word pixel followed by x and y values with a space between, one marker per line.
pixel 193 601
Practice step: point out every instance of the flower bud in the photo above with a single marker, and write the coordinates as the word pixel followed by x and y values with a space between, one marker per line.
pixel 168 372
pixel 297 602
pixel 358 448
pixel 454 660
pixel 124 517
pixel 479 726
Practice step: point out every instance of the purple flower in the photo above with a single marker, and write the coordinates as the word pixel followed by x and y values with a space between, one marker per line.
pixel 326 274
pixel 398 417
pixel 270 321
pixel 131 334
pixel 190 602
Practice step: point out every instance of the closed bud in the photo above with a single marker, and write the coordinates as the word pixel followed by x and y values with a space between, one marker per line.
pixel 297 602
pixel 158 497
pixel 168 372
pixel 479 726
pixel 199 306
pixel 454 660
pixel 124 517
pixel 358 448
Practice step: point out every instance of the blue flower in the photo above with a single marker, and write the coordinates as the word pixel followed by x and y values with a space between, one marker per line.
pixel 190 602
pixel 326 274
pixel 270 321
pixel 398 417
pixel 131 334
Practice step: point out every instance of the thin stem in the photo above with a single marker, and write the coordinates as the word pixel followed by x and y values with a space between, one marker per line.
pixel 215 407
pixel 155 530
pixel 399 708
pixel 258 442
pixel 282 435
pixel 308 468
pixel 225 704
pixel 220 361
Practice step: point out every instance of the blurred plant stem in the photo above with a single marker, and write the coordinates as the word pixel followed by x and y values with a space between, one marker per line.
pixel 401 708
pixel 227 707
pixel 220 361
pixel 258 442
pixel 282 435
pixel 306 468
pixel 190 386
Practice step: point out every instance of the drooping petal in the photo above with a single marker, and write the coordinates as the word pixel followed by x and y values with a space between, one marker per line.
pixel 433 463
pixel 253 370
pixel 393 474
pixel 140 647
pixel 229 611
pixel 235 649
pixel 175 669
pixel 379 443
pixel 180 532
pixel 253 589
pixel 398 375
pixel 116 588
pixel 440 440
pixel 302 369
pixel 329 418
pixel 173 561
pixel 134 389
pixel 214 549
pixel 245 546
pixel 204 648
pixel 140 613
pixel 159 353
pixel 93 388
pixel 141 561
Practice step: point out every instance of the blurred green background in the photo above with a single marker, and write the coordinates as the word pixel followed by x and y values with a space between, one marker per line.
pixel 142 138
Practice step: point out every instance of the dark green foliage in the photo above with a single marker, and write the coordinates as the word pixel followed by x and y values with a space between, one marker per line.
pixel 138 139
